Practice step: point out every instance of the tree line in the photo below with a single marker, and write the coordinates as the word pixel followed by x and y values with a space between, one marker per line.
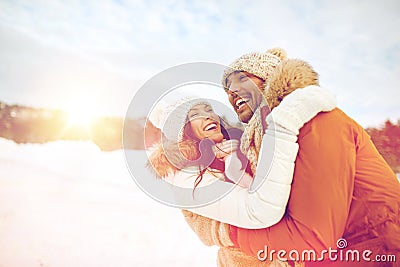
pixel 32 125
pixel 387 140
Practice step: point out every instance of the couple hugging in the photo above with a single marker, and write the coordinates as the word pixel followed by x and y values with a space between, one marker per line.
pixel 307 176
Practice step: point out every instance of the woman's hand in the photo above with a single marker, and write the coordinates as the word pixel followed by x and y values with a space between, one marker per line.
pixel 225 148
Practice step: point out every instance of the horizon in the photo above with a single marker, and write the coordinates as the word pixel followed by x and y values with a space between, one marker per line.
pixel 230 115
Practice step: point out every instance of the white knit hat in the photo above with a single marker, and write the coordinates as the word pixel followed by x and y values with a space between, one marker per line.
pixel 172 118
pixel 258 64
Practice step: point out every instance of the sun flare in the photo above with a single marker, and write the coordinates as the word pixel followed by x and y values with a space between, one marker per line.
pixel 80 118
pixel 81 113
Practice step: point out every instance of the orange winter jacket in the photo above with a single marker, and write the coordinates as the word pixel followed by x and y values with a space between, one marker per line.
pixel 342 188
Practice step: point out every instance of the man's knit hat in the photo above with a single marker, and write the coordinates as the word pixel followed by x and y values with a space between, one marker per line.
pixel 258 64
pixel 171 118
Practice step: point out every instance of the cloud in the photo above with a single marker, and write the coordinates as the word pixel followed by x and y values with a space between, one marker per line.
pixel 353 45
pixel 40 76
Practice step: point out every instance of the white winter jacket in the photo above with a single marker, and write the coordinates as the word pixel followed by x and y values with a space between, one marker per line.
pixel 265 203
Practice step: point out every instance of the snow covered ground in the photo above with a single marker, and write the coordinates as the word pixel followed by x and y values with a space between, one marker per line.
pixel 69 204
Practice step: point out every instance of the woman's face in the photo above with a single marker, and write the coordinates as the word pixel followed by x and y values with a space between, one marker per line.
pixel 205 123
pixel 244 93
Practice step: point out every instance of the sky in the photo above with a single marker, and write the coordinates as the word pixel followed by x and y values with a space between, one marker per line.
pixel 95 55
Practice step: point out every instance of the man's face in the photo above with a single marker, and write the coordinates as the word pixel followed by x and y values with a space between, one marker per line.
pixel 245 93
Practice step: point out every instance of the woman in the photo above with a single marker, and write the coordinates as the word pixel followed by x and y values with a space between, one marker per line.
pixel 201 128
pixel 206 142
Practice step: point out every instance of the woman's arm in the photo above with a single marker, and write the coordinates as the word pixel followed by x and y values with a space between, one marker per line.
pixel 265 204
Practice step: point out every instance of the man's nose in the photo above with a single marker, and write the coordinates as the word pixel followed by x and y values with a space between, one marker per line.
pixel 234 88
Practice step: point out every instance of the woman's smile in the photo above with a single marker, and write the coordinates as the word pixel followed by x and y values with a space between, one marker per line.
pixel 205 123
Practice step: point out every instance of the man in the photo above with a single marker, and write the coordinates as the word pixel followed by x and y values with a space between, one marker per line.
pixel 342 188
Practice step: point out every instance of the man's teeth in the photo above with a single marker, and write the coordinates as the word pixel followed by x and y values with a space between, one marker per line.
pixel 211 126
pixel 240 102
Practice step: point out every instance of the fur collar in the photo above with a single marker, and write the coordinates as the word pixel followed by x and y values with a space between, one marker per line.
pixel 168 158
pixel 289 75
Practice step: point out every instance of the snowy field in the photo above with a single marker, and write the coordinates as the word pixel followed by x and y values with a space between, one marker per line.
pixel 69 204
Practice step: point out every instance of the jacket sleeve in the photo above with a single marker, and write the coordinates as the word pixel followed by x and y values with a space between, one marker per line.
pixel 265 203
pixel 321 194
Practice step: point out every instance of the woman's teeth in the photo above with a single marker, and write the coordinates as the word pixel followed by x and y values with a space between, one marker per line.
pixel 211 126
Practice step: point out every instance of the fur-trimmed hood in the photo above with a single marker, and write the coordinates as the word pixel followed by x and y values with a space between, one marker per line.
pixel 169 157
pixel 289 75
